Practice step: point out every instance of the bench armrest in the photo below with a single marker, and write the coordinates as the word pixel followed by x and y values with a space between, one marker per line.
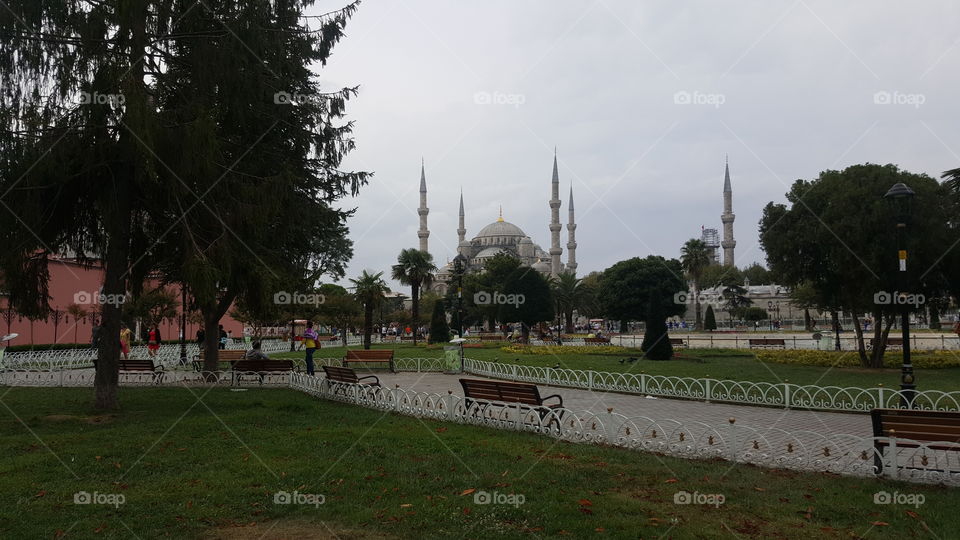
pixel 374 377
pixel 553 396
pixel 158 367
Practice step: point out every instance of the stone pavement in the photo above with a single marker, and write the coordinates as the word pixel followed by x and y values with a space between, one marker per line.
pixel 684 411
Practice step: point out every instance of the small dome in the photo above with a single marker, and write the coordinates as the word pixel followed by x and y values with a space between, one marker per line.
pixel 526 240
pixel 542 266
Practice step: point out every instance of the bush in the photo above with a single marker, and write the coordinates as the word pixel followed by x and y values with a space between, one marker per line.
pixel 656 341
pixel 892 359
pixel 710 319
pixel 439 330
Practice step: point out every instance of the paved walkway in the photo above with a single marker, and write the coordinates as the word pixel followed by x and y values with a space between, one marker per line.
pixel 717 414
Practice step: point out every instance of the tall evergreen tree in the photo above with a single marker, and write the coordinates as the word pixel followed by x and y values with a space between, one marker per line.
pixel 656 341
pixel 710 319
pixel 439 329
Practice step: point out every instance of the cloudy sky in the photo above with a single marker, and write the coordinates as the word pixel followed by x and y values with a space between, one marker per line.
pixel 642 100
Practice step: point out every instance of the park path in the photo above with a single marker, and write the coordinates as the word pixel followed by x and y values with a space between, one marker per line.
pixel 684 411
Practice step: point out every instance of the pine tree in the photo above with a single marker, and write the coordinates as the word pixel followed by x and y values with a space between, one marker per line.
pixel 439 330
pixel 656 341
pixel 710 320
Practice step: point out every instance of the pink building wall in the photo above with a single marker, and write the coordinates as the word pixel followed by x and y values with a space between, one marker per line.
pixel 71 283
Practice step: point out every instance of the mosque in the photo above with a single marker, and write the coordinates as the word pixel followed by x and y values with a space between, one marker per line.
pixel 504 237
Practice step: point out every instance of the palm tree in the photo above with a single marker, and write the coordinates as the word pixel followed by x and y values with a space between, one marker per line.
pixel 368 290
pixel 694 257
pixel 568 293
pixel 414 268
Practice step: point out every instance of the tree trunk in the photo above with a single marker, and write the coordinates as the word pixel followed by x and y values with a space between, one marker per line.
pixel 807 321
pixel 623 326
pixel 861 350
pixel 698 320
pixel 524 332
pixel 367 325
pixel 415 307
pixel 835 317
pixel 107 376
pixel 934 316
pixel 569 320
pixel 211 343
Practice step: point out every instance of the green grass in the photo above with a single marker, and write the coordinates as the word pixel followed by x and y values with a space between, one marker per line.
pixel 729 364
pixel 210 470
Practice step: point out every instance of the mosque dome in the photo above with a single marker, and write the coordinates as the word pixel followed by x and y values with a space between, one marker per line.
pixel 542 266
pixel 500 229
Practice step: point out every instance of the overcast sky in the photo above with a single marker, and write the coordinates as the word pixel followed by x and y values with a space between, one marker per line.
pixel 642 100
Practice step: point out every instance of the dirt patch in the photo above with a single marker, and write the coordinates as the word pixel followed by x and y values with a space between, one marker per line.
pixel 97 419
pixel 293 530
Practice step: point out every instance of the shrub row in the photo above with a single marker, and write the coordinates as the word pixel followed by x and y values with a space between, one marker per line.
pixel 892 359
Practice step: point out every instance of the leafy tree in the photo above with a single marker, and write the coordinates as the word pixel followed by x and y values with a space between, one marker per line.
pixel 368 289
pixel 414 268
pixel 750 313
pixel 718 275
pixel 837 235
pixel 735 299
pixel 570 295
pixel 496 271
pixel 758 275
pixel 625 288
pixel 439 329
pixel 694 258
pixel 534 300
pixel 656 341
pixel 710 320
pixel 152 307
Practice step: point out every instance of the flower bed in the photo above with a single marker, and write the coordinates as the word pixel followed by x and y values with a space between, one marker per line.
pixel 892 359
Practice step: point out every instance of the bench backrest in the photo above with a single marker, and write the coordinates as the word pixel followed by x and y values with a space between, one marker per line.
pixel 226 355
pixel 491 338
pixel 341 374
pixel 136 365
pixel 371 354
pixel 509 392
pixel 767 341
pixel 263 365
pixel 917 425
pixel 676 341
pixel 596 340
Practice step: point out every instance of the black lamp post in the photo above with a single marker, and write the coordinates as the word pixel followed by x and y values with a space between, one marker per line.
pixel 900 197
pixel 459 266
pixel 183 324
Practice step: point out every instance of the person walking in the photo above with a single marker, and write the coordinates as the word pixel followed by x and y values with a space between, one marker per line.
pixel 310 338
pixel 125 336
pixel 223 338
pixel 153 341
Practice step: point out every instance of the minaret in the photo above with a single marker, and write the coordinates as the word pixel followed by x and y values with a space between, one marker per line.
pixel 462 230
pixel 423 233
pixel 571 237
pixel 555 226
pixel 727 218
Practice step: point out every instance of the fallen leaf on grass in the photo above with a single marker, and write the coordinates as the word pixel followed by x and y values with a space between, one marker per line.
pixel 585 502
pixel 599 529
pixel 880 524
pixel 671 481
pixel 468 491
pixel 586 510
pixel 441 430
pixel 759 489
pixel 913 514
pixel 407 505
pixel 466 511
pixel 41 493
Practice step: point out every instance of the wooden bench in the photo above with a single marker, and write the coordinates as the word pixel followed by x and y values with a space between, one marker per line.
pixel 260 368
pixel 596 340
pixel 937 430
pixel 491 337
pixel 370 355
pixel 223 355
pixel 134 366
pixel 892 343
pixel 767 343
pixel 486 391
pixel 678 343
pixel 347 376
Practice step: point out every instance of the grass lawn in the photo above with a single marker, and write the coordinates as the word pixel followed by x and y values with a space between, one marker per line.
pixel 211 469
pixel 716 363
